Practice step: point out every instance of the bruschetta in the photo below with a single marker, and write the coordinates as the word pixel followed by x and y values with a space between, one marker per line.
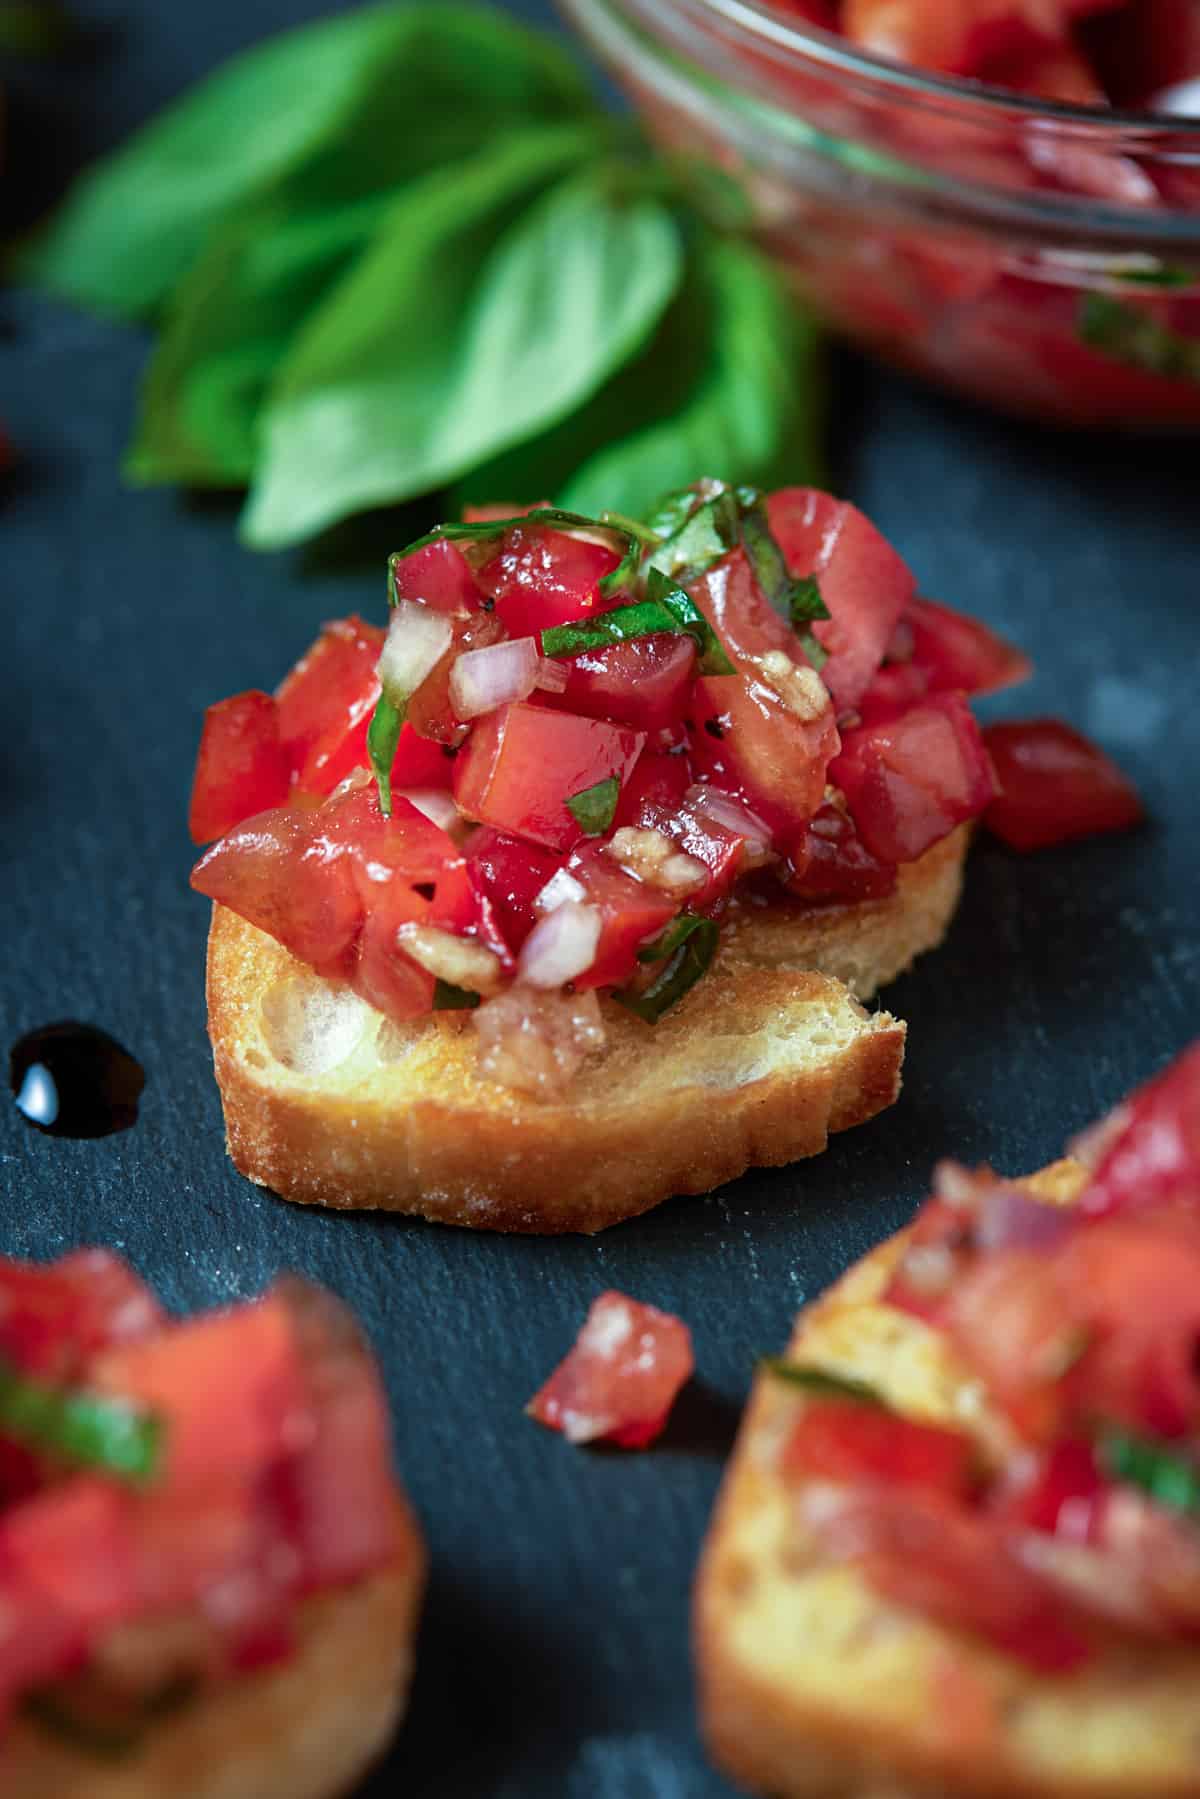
pixel 209 1575
pixel 957 1552
pixel 562 895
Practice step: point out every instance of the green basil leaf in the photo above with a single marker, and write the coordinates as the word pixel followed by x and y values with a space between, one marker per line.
pixel 668 941
pixel 449 998
pixel 666 607
pixel 84 1428
pixel 821 1380
pixel 593 808
pixel 383 740
pixel 461 331
pixel 660 589
pixel 671 511
pixel 397 82
pixel 678 976
pixel 706 534
pixel 1129 335
pixel 1168 1477
pixel 483 531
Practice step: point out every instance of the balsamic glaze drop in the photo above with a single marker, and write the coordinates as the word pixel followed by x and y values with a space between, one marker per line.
pixel 74 1080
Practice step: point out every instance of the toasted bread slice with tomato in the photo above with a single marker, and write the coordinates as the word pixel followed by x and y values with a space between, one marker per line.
pixel 813 1686
pixel 306 1729
pixel 327 1102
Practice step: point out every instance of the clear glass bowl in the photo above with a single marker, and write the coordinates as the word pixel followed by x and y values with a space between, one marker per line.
pixel 1041 257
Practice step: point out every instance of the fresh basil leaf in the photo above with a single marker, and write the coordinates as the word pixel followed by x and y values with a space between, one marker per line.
pixel 821 1380
pixel 705 535
pixel 1162 276
pixel 671 511
pixel 593 808
pixel 662 590
pixel 668 941
pixel 449 998
pixel 461 331
pixel 386 80
pixel 1169 1478
pixel 666 607
pixel 482 531
pixel 84 1428
pixel 383 740
pixel 805 602
pixel 679 975
pixel 1129 335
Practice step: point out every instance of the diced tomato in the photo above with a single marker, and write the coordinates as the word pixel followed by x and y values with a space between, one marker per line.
pixel 631 911
pixel 241 767
pixel 864 583
pixel 962 37
pixel 66 1573
pixel 955 652
pixel 718 846
pixel 1055 786
pixel 1006 1314
pixel 438 576
pixel 909 782
pixel 848 1440
pixel 54 1316
pixel 656 787
pixel 541 577
pixel 1152 1154
pixel 228 1386
pixel 1064 1492
pixel 740 613
pixel 643 683
pixel 420 762
pixel 510 873
pixel 325 705
pixel 830 864
pixel 523 763
pixel 746 741
pixel 283 873
pixel 622 1377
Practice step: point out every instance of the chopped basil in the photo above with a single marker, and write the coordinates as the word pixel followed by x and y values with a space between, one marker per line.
pixel 665 608
pixel 672 512
pixel 593 808
pixel 1130 335
pixel 449 998
pixel 798 599
pixel 1165 1475
pixel 668 941
pixel 487 530
pixel 821 1380
pixel 83 1428
pixel 704 536
pixel 1162 276
pixel 383 739
pixel 691 959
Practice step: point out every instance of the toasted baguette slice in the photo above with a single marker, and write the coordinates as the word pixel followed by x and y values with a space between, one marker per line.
pixel 329 1103
pixel 812 1686
pixel 308 1729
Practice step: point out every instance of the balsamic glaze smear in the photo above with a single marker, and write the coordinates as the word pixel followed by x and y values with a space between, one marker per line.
pixel 74 1080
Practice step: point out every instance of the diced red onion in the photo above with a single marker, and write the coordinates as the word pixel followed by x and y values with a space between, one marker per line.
pixel 551 675
pixel 435 804
pixel 499 675
pixel 1011 1219
pixel 1182 99
pixel 560 946
pixel 561 886
pixel 417 640
pixel 731 814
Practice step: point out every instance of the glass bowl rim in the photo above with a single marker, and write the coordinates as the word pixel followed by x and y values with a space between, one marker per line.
pixel 760 25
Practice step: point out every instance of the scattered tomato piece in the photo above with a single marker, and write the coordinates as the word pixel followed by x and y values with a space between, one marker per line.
pixel 1055 786
pixel 621 1379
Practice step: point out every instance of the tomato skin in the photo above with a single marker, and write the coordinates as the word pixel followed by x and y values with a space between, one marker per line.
pixel 863 581
pixel 241 767
pixel 746 742
pixel 325 705
pixel 66 1571
pixel 621 1378
pixel 438 576
pixel 849 1440
pixel 632 913
pixel 54 1316
pixel 656 787
pixel 1065 1492
pixel 540 577
pixel 1154 1158
pixel 830 864
pixel 954 653
pixel 420 762
pixel 510 874
pixel 1055 786
pixel 909 781
pixel 522 763
pixel 283 873
pixel 643 683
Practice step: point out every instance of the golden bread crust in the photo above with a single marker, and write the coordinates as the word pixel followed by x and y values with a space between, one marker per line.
pixel 759 1063
pixel 308 1729
pixel 811 1686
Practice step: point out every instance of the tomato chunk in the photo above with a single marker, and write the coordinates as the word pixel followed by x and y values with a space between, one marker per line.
pixel 631 914
pixel 540 577
pixel 439 576
pixel 848 1440
pixel 830 864
pixel 325 705
pixel 54 1316
pixel 1055 786
pixel 284 874
pixel 67 1573
pixel 622 1377
pixel 747 741
pixel 510 874
pixel 656 786
pixel 241 767
pixel 1152 1157
pixel 522 764
pixel 643 683
pixel 1065 1492
pixel 863 581
pixel 909 782
pixel 953 651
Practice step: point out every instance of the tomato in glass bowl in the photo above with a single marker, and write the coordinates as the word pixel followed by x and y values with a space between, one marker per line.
pixel 1039 254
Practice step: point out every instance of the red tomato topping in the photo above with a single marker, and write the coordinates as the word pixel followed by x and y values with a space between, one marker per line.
pixel 1055 786
pixel 325 705
pixel 655 788
pixel 53 1316
pixel 241 767
pixel 283 872
pixel 643 683
pixel 510 874
pixel 909 781
pixel 541 577
pixel 864 583
pixel 438 576
pixel 1151 1145
pixel 849 1440
pixel 622 1377
pixel 522 764
pixel 954 652
pixel 631 913
pixel 746 741
pixel 1063 1492
pixel 830 864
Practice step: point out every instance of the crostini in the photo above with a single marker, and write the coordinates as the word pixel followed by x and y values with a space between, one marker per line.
pixel 561 896
pixel 957 1551
pixel 209 1576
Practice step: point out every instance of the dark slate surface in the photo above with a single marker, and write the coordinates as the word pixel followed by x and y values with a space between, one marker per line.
pixel 554 1654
